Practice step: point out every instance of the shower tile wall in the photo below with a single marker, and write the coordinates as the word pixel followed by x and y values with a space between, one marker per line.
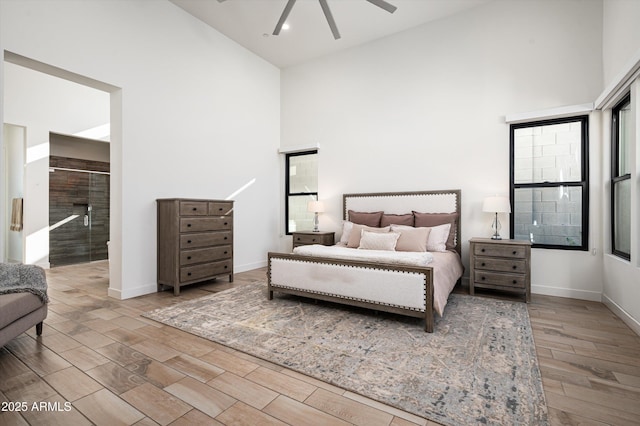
pixel 70 193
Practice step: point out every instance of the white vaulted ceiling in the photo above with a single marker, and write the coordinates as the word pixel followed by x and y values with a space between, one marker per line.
pixel 251 23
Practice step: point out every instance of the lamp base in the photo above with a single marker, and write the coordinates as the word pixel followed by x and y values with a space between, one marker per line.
pixel 496 237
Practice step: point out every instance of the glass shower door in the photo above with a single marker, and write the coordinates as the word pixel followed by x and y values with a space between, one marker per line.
pixel 78 216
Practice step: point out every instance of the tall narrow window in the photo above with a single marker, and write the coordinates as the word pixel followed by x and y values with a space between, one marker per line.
pixel 621 179
pixel 301 187
pixel 549 184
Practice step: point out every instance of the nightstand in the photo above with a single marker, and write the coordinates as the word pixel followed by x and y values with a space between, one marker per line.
pixel 304 238
pixel 500 265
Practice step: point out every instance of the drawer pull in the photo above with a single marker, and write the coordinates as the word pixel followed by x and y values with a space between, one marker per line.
pixel 194 209
pixel 226 223
pixel 226 252
pixel 188 225
pixel 515 252
pixel 482 250
pixel 483 264
pixel 189 273
pixel 188 241
pixel 225 238
pixel 313 240
pixel 482 278
pixel 298 238
pixel 515 282
pixel 188 257
pixel 225 266
pixel 514 267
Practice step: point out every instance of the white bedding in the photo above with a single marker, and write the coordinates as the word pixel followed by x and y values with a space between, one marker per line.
pixel 405 258
pixel 447 266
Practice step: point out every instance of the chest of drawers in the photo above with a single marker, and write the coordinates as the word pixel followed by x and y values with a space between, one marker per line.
pixel 195 241
pixel 503 265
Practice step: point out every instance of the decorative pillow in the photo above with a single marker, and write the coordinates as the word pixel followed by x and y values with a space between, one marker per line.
pixel 378 241
pixel 435 219
pixel 411 239
pixel 346 231
pixel 356 234
pixel 396 219
pixel 362 218
pixel 438 237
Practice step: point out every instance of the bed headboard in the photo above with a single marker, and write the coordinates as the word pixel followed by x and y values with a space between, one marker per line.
pixel 441 201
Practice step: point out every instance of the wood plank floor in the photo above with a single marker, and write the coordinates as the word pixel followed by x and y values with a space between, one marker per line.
pixel 99 362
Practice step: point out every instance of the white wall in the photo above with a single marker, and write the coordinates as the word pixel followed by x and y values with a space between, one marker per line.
pixel 425 109
pixel 12 175
pixel 620 48
pixel 196 116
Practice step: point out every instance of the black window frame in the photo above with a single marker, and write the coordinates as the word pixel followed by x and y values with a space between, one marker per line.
pixel 583 183
pixel 288 193
pixel 615 171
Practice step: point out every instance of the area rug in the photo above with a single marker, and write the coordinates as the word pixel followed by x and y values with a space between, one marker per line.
pixel 478 367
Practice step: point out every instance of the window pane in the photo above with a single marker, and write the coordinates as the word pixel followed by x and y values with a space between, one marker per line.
pixel 550 153
pixel 550 216
pixel 624 136
pixel 622 222
pixel 299 218
pixel 303 173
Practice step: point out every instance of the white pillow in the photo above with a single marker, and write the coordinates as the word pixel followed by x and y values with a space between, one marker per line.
pixel 437 239
pixel 378 241
pixel 346 231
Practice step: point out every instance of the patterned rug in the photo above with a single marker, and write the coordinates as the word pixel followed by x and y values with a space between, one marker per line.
pixel 478 367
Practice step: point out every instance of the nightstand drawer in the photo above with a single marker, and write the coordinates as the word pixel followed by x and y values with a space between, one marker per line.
pixel 496 279
pixel 499 250
pixel 189 257
pixel 307 239
pixel 501 265
pixel 220 209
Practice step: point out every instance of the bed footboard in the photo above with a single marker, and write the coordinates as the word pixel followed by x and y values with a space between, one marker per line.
pixel 405 290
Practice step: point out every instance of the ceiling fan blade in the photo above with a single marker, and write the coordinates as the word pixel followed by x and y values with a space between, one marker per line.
pixel 284 16
pixel 330 21
pixel 384 5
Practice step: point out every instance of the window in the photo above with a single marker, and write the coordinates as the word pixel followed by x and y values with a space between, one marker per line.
pixel 549 184
pixel 301 187
pixel 621 179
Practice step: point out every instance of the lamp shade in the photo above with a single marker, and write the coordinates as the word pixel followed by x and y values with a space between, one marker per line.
pixel 315 206
pixel 496 205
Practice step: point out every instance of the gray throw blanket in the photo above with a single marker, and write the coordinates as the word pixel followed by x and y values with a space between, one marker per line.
pixel 19 278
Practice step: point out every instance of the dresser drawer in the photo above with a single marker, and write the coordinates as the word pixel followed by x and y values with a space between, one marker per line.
pixel 206 270
pixel 500 250
pixel 194 208
pixel 501 265
pixel 209 254
pixel 220 209
pixel 205 239
pixel 482 278
pixel 195 224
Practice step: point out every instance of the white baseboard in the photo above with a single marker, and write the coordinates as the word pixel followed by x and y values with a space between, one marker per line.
pixel 622 314
pixel 593 296
pixel 132 292
pixel 249 266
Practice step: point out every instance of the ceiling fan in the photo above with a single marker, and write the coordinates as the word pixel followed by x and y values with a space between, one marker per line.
pixel 327 13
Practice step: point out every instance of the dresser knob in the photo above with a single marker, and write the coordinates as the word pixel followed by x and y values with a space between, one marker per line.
pixel 514 252
pixel 188 257
pixel 188 241
pixel 483 264
pixel 482 278
pixel 189 273
pixel 220 209
pixel 226 252
pixel 226 223
pixel 188 225
pixel 225 238
pixel 515 282
pixel 482 250
pixel 194 209
pixel 225 266
pixel 313 240
pixel 514 267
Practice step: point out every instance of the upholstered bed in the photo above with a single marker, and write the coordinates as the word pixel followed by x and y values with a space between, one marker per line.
pixel 362 271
